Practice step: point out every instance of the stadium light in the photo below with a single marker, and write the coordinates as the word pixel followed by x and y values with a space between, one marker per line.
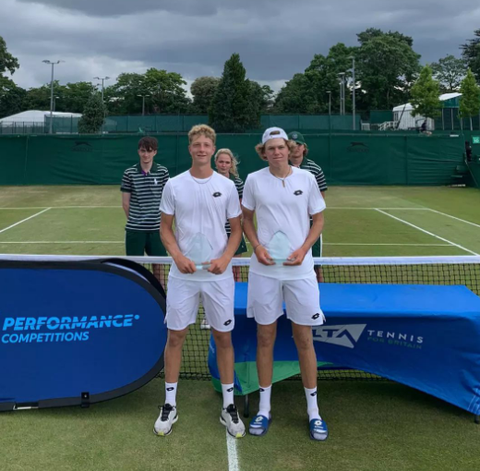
pixel 353 92
pixel 53 64
pixel 143 103
pixel 342 92
pixel 103 83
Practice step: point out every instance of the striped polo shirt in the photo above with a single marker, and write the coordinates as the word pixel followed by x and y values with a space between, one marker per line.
pixel 316 171
pixel 145 195
pixel 239 186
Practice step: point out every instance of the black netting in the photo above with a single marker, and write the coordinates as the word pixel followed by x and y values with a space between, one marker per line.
pixel 451 272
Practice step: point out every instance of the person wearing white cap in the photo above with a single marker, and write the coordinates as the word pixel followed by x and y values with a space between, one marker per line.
pixel 283 198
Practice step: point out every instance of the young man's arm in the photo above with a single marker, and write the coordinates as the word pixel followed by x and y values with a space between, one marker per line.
pixel 219 265
pixel 249 228
pixel 298 256
pixel 126 202
pixel 167 235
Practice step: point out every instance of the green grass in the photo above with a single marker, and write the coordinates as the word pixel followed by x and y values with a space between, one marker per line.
pixel 374 425
pixel 352 225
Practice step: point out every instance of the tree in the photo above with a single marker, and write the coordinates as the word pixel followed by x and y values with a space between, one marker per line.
pixel 93 115
pixel 11 97
pixel 470 101
pixel 297 96
pixel 260 97
pixel 164 93
pixel 39 98
pixel 73 96
pixel 471 54
pixel 307 93
pixel 425 95
pixel 449 71
pixel 232 108
pixel 203 90
pixel 387 65
pixel 7 61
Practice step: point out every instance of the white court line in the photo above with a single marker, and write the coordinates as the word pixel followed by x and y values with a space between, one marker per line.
pixel 425 231
pixel 39 242
pixel 349 208
pixel 232 453
pixel 23 220
pixel 389 245
pixel 64 207
pixel 453 217
pixel 119 207
pixel 346 244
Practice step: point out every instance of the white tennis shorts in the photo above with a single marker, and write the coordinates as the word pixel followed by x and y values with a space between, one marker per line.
pixel 183 299
pixel 267 295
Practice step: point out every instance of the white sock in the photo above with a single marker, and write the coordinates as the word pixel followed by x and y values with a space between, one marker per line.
pixel 227 392
pixel 265 395
pixel 171 394
pixel 312 404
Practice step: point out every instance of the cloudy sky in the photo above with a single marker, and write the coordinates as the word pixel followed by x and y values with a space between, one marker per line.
pixel 275 38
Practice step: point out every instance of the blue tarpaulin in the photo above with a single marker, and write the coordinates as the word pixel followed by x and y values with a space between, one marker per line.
pixel 423 336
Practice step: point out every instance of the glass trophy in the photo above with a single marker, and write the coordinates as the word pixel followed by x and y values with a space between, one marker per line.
pixel 279 247
pixel 200 251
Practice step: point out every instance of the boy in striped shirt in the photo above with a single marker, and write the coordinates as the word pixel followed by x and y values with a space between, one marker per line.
pixel 298 158
pixel 142 189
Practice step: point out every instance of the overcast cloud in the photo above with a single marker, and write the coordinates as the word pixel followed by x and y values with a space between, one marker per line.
pixel 275 38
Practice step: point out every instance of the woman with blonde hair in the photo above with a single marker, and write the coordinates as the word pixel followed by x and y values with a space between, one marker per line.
pixel 226 165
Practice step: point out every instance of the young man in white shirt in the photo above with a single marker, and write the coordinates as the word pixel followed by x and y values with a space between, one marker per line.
pixel 283 198
pixel 200 201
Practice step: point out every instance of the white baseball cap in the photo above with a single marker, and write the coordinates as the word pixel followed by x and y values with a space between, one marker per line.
pixel 274 133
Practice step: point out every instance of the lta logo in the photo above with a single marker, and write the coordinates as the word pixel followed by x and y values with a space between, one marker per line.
pixel 342 335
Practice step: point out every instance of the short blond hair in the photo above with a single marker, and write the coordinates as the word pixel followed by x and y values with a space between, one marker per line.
pixel 233 168
pixel 260 148
pixel 202 130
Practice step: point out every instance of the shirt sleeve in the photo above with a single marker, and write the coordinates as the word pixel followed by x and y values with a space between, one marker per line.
pixel 233 204
pixel 126 186
pixel 167 204
pixel 248 200
pixel 321 181
pixel 164 180
pixel 316 203
pixel 239 184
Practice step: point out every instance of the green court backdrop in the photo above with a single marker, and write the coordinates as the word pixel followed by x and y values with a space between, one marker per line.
pixel 347 159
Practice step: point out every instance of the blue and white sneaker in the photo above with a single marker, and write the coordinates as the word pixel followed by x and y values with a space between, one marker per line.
pixel 164 424
pixel 259 425
pixel 318 430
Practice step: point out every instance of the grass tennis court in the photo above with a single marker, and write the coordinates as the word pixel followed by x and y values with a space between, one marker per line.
pixel 373 425
pixel 360 221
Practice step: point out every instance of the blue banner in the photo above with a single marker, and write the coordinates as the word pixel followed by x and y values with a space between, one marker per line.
pixel 427 337
pixel 76 333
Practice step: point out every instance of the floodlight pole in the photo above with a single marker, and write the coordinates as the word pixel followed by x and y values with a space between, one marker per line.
pixel 329 103
pixel 103 83
pixel 143 103
pixel 53 64
pixel 342 93
pixel 353 94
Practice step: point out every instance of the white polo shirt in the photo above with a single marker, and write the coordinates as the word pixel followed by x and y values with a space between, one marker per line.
pixel 283 208
pixel 200 206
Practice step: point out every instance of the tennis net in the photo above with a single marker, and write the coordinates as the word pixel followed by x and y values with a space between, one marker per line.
pixel 383 270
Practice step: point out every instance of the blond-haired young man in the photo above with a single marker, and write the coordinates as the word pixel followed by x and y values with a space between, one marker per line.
pixel 283 198
pixel 200 201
